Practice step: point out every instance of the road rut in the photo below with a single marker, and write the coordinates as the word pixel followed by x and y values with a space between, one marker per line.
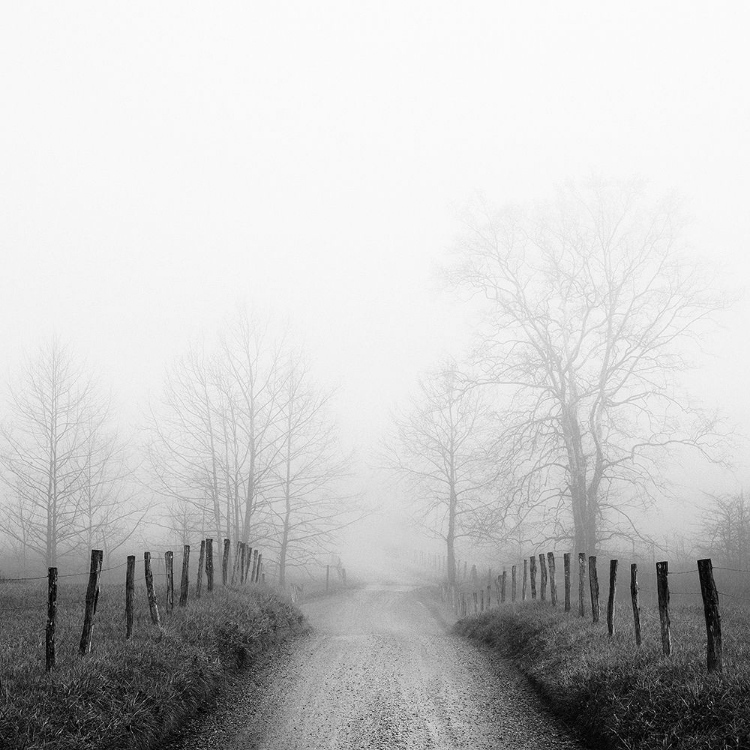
pixel 381 670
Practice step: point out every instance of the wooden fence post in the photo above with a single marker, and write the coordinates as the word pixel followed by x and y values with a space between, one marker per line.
pixel 129 596
pixel 594 586
pixel 49 651
pixel 636 605
pixel 169 565
pixel 581 583
pixel 503 581
pixel 611 600
pixel 513 583
pixel 552 581
pixel 525 579
pixel 259 568
pixel 254 571
pixel 209 565
pixel 243 552
pixel 92 597
pixel 199 576
pixel 532 575
pixel 714 657
pixel 236 561
pixel 662 587
pixel 249 562
pixel 475 602
pixel 542 577
pixel 225 562
pixel 481 599
pixel 185 578
pixel 152 605
pixel 566 568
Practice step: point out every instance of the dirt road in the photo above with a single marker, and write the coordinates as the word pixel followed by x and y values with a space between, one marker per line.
pixel 380 670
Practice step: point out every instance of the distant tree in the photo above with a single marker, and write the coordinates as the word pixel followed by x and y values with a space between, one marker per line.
pixel 310 504
pixel 442 449
pixel 61 467
pixel 726 530
pixel 590 305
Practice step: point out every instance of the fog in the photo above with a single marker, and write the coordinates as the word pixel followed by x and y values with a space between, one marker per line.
pixel 164 166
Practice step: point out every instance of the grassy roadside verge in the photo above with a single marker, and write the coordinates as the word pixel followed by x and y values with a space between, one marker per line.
pixel 133 694
pixel 620 696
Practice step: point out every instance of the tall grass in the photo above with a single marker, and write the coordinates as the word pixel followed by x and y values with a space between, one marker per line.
pixel 622 696
pixel 124 694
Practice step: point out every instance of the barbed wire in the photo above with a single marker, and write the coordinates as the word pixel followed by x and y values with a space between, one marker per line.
pixel 681 572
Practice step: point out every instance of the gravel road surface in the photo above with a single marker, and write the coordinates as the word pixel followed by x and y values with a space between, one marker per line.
pixel 380 670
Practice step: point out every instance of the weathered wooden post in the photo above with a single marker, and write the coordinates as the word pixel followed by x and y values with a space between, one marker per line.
pixel 581 583
pixel 243 563
pixel 532 575
pixel 49 651
pixel 525 579
pixel 714 657
pixel 199 577
pixel 481 599
pixel 503 582
pixel 552 580
pixel 185 578
pixel 513 583
pixel 542 577
pixel 662 588
pixel 566 566
pixel 254 572
pixel 236 562
pixel 611 599
pixel 225 562
pixel 92 597
pixel 259 569
pixel 209 565
pixel 594 586
pixel 475 602
pixel 129 596
pixel 152 605
pixel 169 565
pixel 634 600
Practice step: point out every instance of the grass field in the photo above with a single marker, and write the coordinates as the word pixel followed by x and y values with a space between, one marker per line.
pixel 621 696
pixel 124 694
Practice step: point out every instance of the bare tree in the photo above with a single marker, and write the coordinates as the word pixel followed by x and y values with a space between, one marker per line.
pixel 726 524
pixel 58 461
pixel 310 505
pixel 442 450
pixel 589 300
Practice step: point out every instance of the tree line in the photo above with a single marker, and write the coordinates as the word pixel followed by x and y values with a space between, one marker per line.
pixel 558 423
pixel 241 444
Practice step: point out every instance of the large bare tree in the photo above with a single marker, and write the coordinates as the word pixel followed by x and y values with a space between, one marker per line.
pixel 591 306
pixel 442 448
pixel 63 469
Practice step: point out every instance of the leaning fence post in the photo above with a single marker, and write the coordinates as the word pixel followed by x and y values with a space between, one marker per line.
pixel 92 596
pixel 611 600
pixel 525 579
pixel 566 568
pixel 242 554
pixel 714 658
pixel 169 565
pixel 542 576
pixel 258 568
pixel 662 587
pixel 152 605
pixel 185 575
pixel 552 581
pixel 636 605
pixel 254 571
pixel 594 586
pixel 199 576
pixel 129 596
pixel 513 583
pixel 51 619
pixel 481 599
pixel 209 565
pixel 532 574
pixel 503 580
pixel 581 583
pixel 225 562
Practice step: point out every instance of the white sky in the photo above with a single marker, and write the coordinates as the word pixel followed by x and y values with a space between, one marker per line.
pixel 162 162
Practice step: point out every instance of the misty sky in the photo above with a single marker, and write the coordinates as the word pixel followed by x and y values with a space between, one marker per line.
pixel 163 163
